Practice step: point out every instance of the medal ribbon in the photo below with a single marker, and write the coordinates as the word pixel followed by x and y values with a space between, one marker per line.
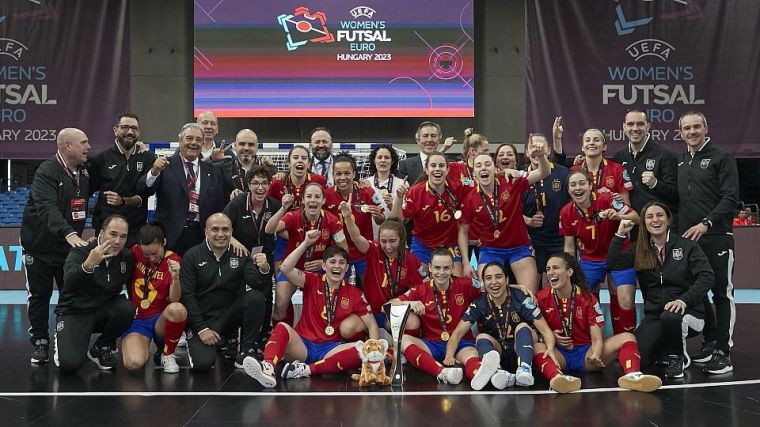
pixel 330 303
pixel 502 321
pixel 567 324
pixel 492 208
pixel 393 283
pixel 439 307
pixel 452 208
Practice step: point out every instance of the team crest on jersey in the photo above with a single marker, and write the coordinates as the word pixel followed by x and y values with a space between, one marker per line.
pixel 139 166
pixel 677 254
pixel 459 299
pixel 609 182
pixel 29 259
pixel 325 234
pixel 650 164
pixel 515 317
pixel 267 216
pixel 403 273
pixel 579 313
pixel 704 163
pixel 123 266
pixel 505 196
pixel 234 262
pixel 556 185
pixel 344 303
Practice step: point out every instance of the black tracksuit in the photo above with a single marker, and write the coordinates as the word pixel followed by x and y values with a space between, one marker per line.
pixel 659 160
pixel 92 302
pixel 233 175
pixel 46 223
pixel 685 275
pixel 110 170
pixel 221 295
pixel 708 188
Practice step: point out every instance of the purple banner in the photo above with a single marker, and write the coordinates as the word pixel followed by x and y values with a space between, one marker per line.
pixel 63 63
pixel 592 60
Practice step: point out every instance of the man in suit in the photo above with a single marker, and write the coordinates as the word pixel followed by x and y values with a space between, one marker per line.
pixel 321 148
pixel 427 136
pixel 187 190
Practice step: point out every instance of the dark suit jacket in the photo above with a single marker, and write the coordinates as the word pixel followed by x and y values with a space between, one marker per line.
pixel 172 196
pixel 411 168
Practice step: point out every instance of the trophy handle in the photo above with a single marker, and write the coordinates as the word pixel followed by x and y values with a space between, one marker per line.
pixel 397 316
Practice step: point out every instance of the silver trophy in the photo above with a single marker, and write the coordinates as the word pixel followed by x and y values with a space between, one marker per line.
pixel 397 315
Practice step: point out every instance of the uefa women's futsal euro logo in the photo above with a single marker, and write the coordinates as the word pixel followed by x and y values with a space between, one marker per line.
pixel 303 27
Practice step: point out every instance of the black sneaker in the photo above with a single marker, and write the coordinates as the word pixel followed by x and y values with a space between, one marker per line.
pixel 243 354
pixel 662 361
pixel 40 352
pixel 157 355
pixel 705 354
pixel 231 351
pixel 675 367
pixel 719 364
pixel 102 356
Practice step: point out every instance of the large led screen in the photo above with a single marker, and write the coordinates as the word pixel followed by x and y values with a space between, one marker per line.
pixel 334 58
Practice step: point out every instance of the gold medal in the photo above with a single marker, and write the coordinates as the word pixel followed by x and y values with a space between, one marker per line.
pixel 329 330
pixel 444 336
pixel 364 208
pixel 384 192
pixel 144 304
pixel 457 214
pixel 496 234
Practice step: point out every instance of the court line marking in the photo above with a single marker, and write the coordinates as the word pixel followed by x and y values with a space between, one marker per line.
pixel 352 393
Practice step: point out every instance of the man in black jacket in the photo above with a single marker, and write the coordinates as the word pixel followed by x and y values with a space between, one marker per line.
pixel 222 293
pixel 91 299
pixel 234 169
pixel 53 222
pixel 115 171
pixel 653 168
pixel 708 191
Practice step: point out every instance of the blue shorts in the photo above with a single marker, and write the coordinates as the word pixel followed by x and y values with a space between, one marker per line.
pixel 575 358
pixel 423 252
pixel 360 267
pixel 596 271
pixel 503 255
pixel 280 244
pixel 316 351
pixel 381 320
pixel 145 327
pixel 438 348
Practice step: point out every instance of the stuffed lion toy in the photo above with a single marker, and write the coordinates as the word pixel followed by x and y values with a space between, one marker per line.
pixel 372 352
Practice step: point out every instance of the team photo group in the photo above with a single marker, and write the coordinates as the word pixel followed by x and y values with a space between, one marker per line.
pixel 500 256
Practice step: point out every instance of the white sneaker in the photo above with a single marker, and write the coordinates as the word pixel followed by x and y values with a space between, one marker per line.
pixel 450 376
pixel 565 384
pixel 524 375
pixel 295 369
pixel 182 340
pixel 169 363
pixel 637 381
pixel 263 372
pixel 502 379
pixel 488 366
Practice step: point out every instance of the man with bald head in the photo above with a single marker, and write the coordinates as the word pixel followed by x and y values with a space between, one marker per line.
pixel 234 169
pixel 187 190
pixel 53 222
pixel 222 292
pixel 320 143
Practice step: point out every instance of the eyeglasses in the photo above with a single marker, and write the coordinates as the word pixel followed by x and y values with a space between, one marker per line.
pixel 125 128
pixel 262 184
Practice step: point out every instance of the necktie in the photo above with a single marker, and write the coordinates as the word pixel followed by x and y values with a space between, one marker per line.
pixel 190 183
pixel 323 166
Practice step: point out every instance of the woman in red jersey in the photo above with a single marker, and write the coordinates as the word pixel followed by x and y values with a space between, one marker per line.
pixel 293 226
pixel 156 292
pixel 434 206
pixel 496 202
pixel 591 219
pixel 577 320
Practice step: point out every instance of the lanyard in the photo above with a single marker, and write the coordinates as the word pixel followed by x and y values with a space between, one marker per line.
pixel 258 220
pixel 145 288
pixel 388 186
pixel 591 217
pixel 191 173
pixel 74 176
pixel 440 309
pixel 295 191
pixel 567 324
pixel 307 227
pixel 491 208
pixel 598 175
pixel 393 283
pixel 454 202
pixel 330 302
pixel 502 321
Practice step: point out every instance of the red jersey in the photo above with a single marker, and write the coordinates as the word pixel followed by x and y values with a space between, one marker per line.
pixel 363 220
pixel 434 223
pixel 294 225
pixel 512 229
pixel 587 310
pixel 593 234
pixel 157 290
pixel 277 188
pixel 454 303
pixel 378 286
pixel 613 177
pixel 313 319
pixel 460 175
